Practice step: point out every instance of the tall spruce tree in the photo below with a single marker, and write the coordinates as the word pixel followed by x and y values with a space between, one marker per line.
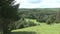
pixel 8 13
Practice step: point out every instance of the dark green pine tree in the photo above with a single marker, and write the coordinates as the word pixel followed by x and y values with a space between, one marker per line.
pixel 8 13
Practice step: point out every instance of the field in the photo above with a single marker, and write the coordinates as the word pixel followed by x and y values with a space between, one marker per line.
pixel 39 29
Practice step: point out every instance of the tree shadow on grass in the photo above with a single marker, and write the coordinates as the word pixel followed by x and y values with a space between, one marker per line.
pixel 22 32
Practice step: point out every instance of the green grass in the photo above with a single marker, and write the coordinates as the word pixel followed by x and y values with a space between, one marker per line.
pixel 32 20
pixel 39 29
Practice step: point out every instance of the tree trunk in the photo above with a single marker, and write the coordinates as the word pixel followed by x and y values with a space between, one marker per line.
pixel 6 27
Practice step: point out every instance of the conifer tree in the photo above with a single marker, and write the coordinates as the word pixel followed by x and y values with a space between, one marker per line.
pixel 8 13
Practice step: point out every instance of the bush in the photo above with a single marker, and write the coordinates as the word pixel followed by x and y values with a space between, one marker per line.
pixel 27 24
pixel 23 24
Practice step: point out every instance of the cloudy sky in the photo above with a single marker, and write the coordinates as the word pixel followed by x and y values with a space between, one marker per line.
pixel 39 3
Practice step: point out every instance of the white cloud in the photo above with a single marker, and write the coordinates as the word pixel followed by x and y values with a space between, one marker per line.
pixel 34 1
pixel 42 4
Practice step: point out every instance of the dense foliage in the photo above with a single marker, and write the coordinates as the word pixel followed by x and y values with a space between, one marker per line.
pixel 47 15
pixel 8 14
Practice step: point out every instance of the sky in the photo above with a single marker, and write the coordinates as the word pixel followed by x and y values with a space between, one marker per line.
pixel 39 3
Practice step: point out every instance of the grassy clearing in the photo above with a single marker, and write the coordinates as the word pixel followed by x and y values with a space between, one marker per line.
pixel 39 29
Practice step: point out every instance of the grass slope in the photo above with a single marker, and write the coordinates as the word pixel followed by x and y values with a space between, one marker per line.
pixel 40 29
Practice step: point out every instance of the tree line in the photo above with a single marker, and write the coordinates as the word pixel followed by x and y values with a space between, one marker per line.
pixel 47 15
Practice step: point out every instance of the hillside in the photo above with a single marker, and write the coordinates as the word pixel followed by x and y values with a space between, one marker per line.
pixel 42 29
pixel 53 9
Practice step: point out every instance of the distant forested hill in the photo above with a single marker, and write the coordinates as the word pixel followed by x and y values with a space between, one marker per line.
pixel 26 9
